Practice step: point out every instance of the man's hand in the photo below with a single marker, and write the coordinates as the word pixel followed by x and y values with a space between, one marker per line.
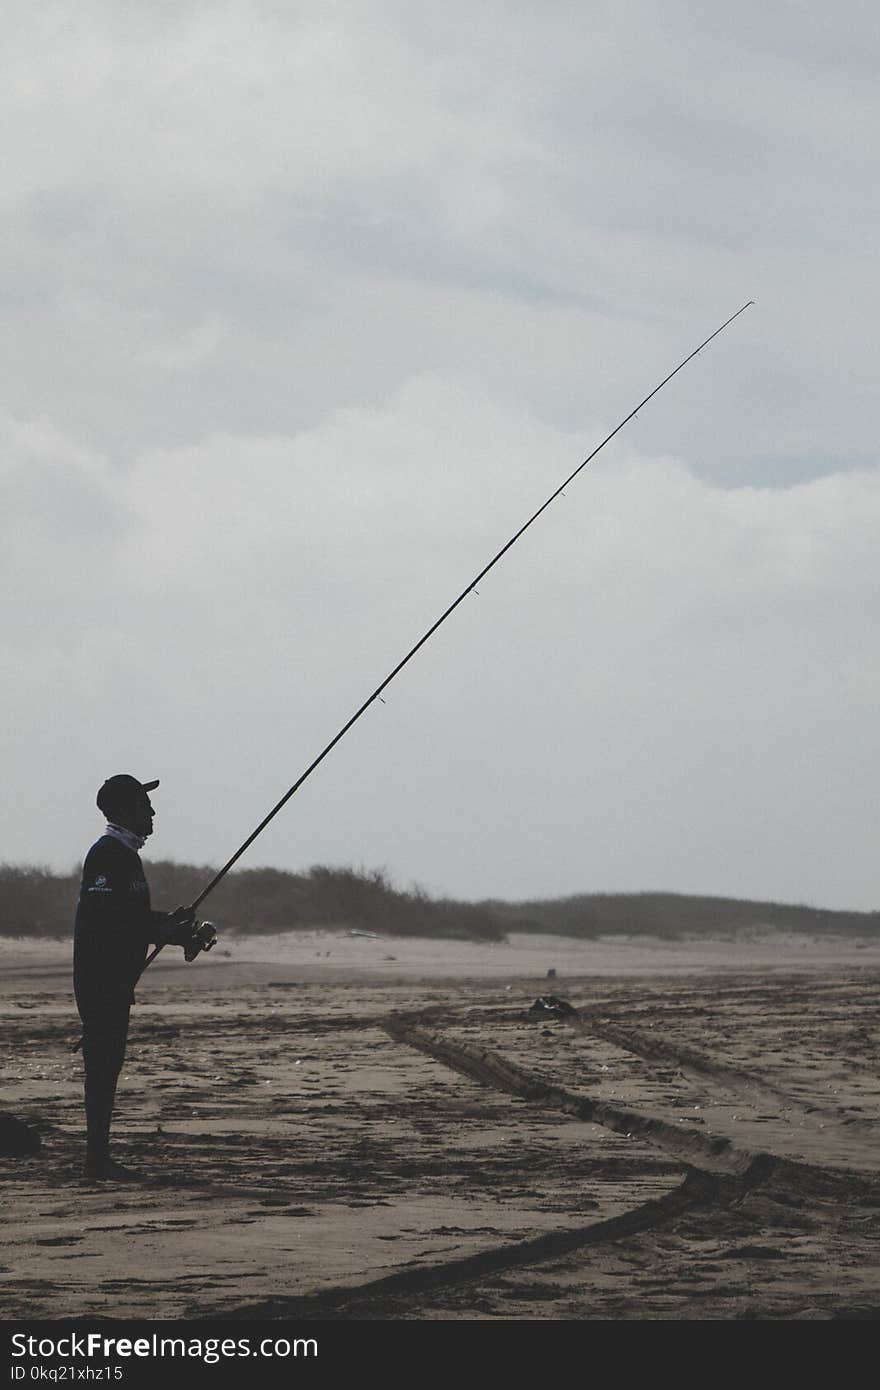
pixel 180 926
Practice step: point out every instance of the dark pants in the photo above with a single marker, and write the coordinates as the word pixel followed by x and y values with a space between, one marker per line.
pixel 104 1035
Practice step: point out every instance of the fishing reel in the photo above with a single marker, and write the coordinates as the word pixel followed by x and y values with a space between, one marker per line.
pixel 204 937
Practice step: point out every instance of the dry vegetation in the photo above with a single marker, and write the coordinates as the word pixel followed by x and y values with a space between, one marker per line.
pixel 36 902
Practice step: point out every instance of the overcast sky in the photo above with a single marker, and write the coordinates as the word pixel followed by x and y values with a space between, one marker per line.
pixel 306 306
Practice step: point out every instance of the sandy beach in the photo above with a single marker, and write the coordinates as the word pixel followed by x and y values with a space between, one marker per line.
pixel 338 1126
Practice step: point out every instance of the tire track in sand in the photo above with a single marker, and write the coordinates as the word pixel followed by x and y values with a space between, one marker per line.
pixel 713 1154
pixel 696 1190
pixel 721 1080
pixel 854 1137
pixel 717 1174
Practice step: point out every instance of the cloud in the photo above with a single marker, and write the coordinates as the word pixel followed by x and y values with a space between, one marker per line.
pixel 307 306
pixel 189 350
pixel 665 684
pixel 518 195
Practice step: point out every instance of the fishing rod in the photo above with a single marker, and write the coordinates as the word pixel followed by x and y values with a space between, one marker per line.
pixel 221 874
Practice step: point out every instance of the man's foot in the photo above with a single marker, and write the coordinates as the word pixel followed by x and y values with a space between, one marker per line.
pixel 108 1171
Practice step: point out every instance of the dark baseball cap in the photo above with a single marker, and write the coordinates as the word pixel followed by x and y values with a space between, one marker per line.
pixel 122 790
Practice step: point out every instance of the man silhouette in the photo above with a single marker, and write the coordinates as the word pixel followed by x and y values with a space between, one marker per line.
pixel 115 926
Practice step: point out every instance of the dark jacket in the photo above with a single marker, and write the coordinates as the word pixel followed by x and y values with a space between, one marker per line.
pixel 115 926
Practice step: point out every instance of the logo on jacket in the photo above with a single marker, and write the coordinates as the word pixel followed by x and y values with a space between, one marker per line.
pixel 100 885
